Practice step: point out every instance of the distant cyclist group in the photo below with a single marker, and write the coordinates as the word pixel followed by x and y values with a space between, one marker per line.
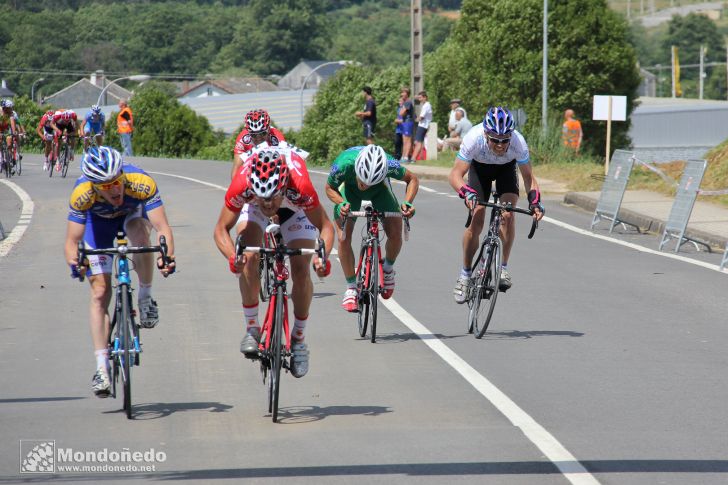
pixel 271 187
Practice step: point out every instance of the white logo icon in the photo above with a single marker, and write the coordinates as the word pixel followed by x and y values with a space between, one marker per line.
pixel 37 456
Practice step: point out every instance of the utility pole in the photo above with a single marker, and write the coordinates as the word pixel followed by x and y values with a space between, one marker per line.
pixel 417 78
pixel 702 71
pixel 545 70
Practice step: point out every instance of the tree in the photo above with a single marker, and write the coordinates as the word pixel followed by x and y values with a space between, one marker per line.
pixel 494 57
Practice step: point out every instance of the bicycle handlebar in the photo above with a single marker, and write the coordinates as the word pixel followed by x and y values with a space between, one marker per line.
pixel 240 248
pixel 507 208
pixel 378 214
pixel 121 249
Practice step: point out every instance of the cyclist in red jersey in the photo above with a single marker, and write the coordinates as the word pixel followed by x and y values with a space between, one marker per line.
pixel 66 121
pixel 257 130
pixel 274 181
pixel 48 131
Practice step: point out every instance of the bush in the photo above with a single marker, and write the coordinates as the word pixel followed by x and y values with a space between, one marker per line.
pixel 163 126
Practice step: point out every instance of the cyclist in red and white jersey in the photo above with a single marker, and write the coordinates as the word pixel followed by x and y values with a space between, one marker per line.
pixel 66 121
pixel 274 181
pixel 48 131
pixel 257 130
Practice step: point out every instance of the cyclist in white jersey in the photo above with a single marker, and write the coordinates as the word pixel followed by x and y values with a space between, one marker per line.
pixel 490 152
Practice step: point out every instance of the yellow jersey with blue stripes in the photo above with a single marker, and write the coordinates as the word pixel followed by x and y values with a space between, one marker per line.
pixel 139 189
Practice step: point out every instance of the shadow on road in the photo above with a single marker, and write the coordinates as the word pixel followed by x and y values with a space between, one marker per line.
pixel 524 334
pixel 40 399
pixel 408 469
pixel 158 410
pixel 395 338
pixel 307 414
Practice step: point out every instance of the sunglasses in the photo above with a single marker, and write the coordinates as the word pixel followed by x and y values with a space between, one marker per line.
pixel 110 185
pixel 499 141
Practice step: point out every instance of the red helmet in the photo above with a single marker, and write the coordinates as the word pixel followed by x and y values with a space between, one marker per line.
pixel 257 121
pixel 269 173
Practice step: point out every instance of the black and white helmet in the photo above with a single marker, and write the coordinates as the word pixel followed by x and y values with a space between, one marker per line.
pixel 371 165
pixel 101 164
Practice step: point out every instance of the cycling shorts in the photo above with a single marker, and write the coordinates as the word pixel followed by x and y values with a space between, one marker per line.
pixel 381 196
pixel 101 233
pixel 294 224
pixel 482 175
pixel 407 127
pixel 95 128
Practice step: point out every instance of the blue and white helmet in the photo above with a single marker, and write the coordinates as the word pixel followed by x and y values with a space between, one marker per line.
pixel 371 165
pixel 7 103
pixel 498 121
pixel 96 109
pixel 101 164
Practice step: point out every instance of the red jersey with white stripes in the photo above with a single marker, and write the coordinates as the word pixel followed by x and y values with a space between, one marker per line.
pixel 299 193
pixel 244 142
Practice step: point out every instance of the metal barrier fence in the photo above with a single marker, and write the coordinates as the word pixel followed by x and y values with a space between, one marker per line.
pixel 613 189
pixel 682 206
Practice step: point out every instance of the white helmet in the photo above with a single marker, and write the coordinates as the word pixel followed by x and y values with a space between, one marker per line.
pixel 101 164
pixel 371 165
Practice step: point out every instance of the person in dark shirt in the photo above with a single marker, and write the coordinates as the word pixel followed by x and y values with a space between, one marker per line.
pixel 368 117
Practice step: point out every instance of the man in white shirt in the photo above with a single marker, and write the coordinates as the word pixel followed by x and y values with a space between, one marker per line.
pixel 457 132
pixel 423 123
pixel 455 104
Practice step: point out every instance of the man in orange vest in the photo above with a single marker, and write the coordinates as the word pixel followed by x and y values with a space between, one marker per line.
pixel 571 132
pixel 125 124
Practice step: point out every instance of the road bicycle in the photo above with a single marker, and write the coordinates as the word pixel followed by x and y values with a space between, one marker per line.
pixel 369 272
pixel 274 354
pixel 65 152
pixel 17 153
pixel 484 286
pixel 124 336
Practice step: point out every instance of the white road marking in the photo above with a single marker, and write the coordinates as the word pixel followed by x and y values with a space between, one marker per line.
pixel 630 245
pixel 567 464
pixel 26 214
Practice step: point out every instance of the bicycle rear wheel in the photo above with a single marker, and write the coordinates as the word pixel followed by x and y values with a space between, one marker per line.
pixel 362 290
pixel 53 159
pixel 277 355
pixel 374 288
pixel 486 289
pixel 265 272
pixel 127 347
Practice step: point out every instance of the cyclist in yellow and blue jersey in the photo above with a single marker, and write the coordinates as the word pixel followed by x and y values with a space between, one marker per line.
pixel 111 196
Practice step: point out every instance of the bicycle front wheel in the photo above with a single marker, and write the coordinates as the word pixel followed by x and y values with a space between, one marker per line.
pixel 277 355
pixel 265 273
pixel 374 289
pixel 486 289
pixel 6 162
pixel 362 290
pixel 127 346
pixel 19 162
pixel 66 162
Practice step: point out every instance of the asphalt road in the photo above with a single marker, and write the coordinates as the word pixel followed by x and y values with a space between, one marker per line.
pixel 603 363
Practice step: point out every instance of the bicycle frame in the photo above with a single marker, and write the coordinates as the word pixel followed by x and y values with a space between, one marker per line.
pixel 272 354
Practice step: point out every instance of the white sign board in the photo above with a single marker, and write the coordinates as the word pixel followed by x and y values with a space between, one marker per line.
pixel 601 108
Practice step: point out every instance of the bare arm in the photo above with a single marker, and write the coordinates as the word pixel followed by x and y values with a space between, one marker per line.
pixel 530 183
pixel 225 221
pixel 158 218
pixel 74 234
pixel 457 174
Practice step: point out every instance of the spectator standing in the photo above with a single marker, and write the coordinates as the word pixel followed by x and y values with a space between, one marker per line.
pixel 407 112
pixel 458 132
pixel 455 103
pixel 125 127
pixel 368 117
pixel 571 132
pixel 398 141
pixel 423 124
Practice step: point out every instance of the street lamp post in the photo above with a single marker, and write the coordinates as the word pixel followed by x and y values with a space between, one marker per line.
pixel 32 88
pixel 341 63
pixel 136 77
pixel 545 71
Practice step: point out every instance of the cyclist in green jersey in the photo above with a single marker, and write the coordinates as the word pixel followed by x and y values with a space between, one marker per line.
pixel 363 173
